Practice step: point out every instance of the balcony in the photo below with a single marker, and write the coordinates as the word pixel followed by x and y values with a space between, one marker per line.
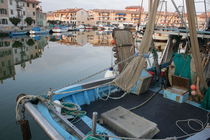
pixel 120 14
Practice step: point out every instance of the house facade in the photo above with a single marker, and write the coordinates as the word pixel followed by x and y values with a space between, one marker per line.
pixel 131 15
pixel 69 16
pixel 17 8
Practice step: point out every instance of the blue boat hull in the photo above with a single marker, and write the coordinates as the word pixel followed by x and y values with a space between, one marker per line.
pixel 17 33
pixel 80 96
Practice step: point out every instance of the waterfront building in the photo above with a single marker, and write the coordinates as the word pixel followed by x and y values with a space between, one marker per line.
pixel 76 16
pixel 4 14
pixel 129 16
pixel 203 20
pixel 107 16
pixel 17 8
pixel 41 18
pixel 31 7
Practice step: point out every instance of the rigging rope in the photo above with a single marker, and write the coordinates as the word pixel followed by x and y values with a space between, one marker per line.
pixel 73 108
pixel 197 121
pixel 90 76
pixel 140 105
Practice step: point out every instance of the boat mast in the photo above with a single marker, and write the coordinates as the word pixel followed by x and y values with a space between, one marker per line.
pixel 150 6
pixel 206 14
pixel 190 5
pixel 166 10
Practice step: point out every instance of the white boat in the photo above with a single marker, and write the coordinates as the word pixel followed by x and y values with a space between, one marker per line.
pixel 60 29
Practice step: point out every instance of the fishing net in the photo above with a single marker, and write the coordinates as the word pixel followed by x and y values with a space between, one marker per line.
pixel 128 78
pixel 75 112
pixel 182 65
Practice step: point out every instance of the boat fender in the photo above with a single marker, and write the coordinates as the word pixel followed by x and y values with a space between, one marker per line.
pixel 109 73
pixel 57 108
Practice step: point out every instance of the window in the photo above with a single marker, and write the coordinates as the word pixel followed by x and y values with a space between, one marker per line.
pixel 4 21
pixel 10 2
pixel 5 73
pixel 33 5
pixel 16 59
pixel 2 1
pixel 24 13
pixel 28 5
pixel 3 11
pixel 9 62
pixel 34 13
pixel 11 11
pixel 3 64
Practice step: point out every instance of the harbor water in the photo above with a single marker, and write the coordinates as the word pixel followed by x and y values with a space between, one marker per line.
pixel 33 65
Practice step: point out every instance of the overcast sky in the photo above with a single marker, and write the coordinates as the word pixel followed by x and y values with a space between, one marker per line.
pixel 51 5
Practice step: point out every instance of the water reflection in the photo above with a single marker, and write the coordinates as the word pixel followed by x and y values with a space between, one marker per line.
pixel 18 51
pixel 98 38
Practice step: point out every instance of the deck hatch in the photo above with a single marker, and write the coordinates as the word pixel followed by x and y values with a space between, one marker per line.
pixel 127 123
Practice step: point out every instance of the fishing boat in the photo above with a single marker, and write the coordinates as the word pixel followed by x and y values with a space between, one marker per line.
pixel 135 104
pixel 37 30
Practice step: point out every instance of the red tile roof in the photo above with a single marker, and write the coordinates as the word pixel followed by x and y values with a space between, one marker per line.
pixel 114 11
pixel 32 1
pixel 68 10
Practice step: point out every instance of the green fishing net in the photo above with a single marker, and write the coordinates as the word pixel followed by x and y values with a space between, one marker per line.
pixel 94 138
pixel 182 65
pixel 76 112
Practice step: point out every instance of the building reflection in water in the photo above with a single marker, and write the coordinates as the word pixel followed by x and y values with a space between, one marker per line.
pixel 18 51
pixel 98 38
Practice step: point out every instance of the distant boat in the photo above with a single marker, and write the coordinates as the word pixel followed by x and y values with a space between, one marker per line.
pixel 20 33
pixel 37 30
pixel 60 29
pixel 81 27
pixel 109 27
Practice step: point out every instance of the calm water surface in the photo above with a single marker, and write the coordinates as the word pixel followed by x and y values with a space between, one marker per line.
pixel 32 65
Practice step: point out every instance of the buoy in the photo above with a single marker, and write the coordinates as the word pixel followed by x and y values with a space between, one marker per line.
pixel 113 42
pixel 193 87
pixel 193 92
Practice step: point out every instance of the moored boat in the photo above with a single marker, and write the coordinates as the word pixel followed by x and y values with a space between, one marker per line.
pixel 60 29
pixel 37 30
pixel 18 33
pixel 129 105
